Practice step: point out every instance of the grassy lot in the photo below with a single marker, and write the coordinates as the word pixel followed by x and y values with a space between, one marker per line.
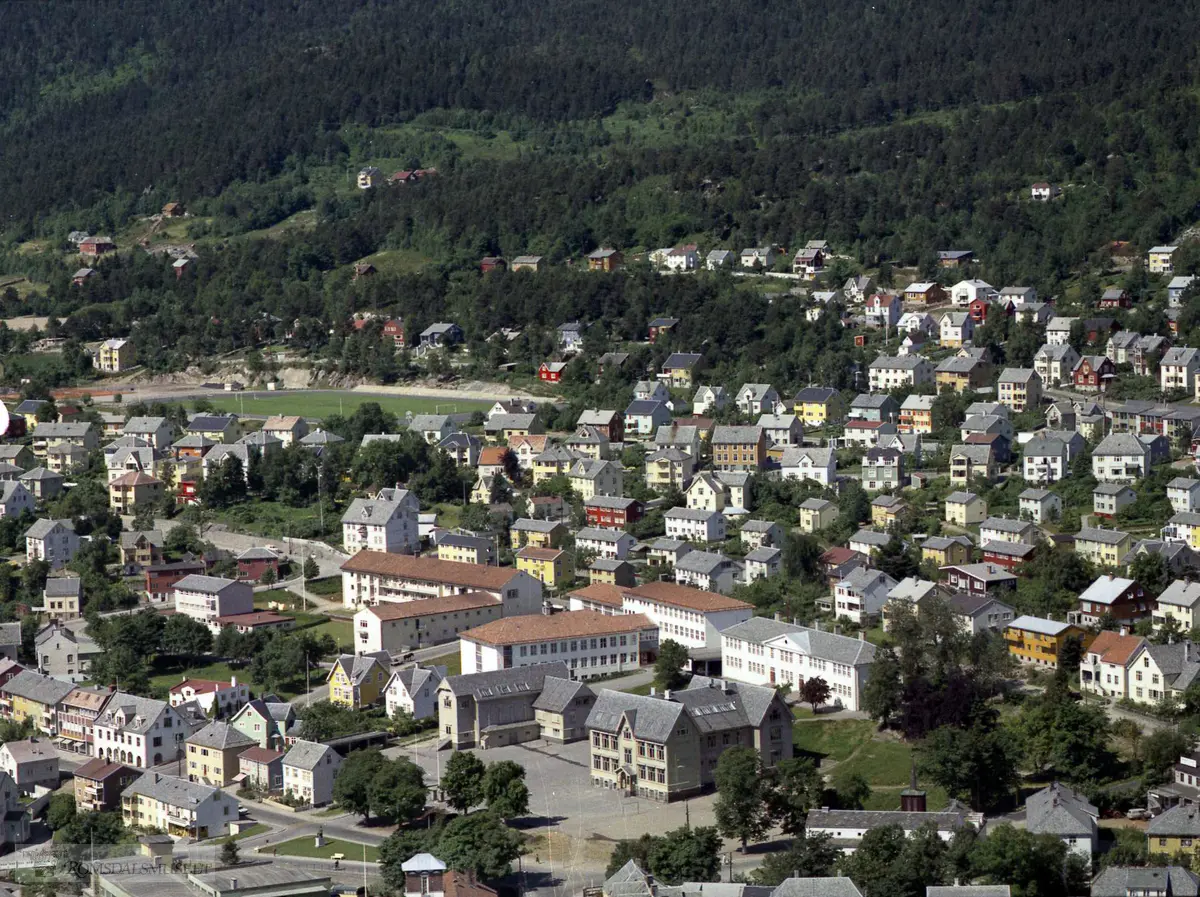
pixel 324 403
pixel 303 847
pixel 396 261
pixel 639 689
pixel 880 763
pixel 257 829
pixel 835 739
pixel 166 672
pixel 452 662
pixel 318 624
pixel 274 520
pixel 330 585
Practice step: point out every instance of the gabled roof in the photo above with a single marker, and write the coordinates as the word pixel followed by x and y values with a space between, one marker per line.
pixel 307 755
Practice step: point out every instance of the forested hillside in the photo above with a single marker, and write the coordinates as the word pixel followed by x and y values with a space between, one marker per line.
pixel 890 129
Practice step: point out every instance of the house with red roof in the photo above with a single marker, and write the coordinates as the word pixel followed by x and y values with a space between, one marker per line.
pixel 218 698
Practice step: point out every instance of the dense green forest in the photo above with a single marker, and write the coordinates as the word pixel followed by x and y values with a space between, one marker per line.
pixel 890 129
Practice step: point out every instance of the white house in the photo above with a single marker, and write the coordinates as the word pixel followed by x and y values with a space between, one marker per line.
pixel 762 651
pixel 651 391
pixel 139 732
pixel 30 762
pixel 694 525
pixel 886 373
pixel 606 543
pixel 308 772
pixel 52 541
pixel 884 309
pixel 860 597
pixel 782 429
pixel 1002 529
pixel 709 399
pixel 15 499
pixel 955 328
pixel 1045 460
pixel 1038 505
pixel 382 524
pixel 413 690
pixel 1120 458
pixel 1057 810
pixel 965 292
pixel 809 463
pixel 1178 368
pixel 1054 364
pixel 205 598
pixel 1058 330
pixel 1184 495
pixel 756 398
pixel 708 571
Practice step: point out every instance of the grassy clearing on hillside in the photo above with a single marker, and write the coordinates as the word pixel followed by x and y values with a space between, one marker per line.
pixel 835 739
pixel 322 404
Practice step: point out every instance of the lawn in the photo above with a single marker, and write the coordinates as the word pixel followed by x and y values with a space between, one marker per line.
pixel 836 739
pixel 318 624
pixel 274 520
pixel 303 847
pixel 324 403
pixel 257 829
pixel 452 662
pixel 882 762
pixel 643 689
pixel 329 585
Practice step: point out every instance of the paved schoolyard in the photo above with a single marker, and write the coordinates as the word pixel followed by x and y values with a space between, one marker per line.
pixel 561 794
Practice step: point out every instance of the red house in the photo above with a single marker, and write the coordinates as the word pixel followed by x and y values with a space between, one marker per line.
pixel 161 578
pixel 96 246
pixel 254 562
pixel 1115 297
pixel 395 330
pixel 1122 599
pixel 612 512
pixel 1008 555
pixel 1093 372
pixel 187 493
pixel 8 669
pixel 979 309
pixel 492 263
pixel 551 371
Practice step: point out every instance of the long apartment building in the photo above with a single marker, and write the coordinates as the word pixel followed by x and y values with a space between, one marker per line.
pixel 376 577
pixel 591 643
pixel 692 617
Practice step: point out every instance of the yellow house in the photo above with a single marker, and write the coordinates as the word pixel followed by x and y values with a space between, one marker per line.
pixel 554 461
pixel 357 681
pixel 131 490
pixel 1158 259
pixel 1103 547
pixel 816 514
pixel 212 754
pixel 545 564
pixel 886 510
pixel 946 551
pixel 35 697
pixel 965 508
pixel 1038 641
pixel 1175 831
pixel 612 572
pixel 815 405
pixel 536 533
pixel 669 466
pixel 1187 527
pixel 116 355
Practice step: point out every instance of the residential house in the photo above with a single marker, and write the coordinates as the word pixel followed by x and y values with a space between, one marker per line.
pixel 261 768
pixel 98 785
pixel 1066 815
pixel 267 722
pixel 547 565
pixel 1179 602
pixel 883 468
pixel 695 525
pixel 760 257
pixel 1184 495
pixel 860 597
pixel 1159 259
pixel 955 328
pixel 965 509
pixel 925 293
pixel 962 373
pixel 116 356
pixel 682 436
pixel 441 334
pixel 1178 368
pixel 868 541
pixel 1092 373
pixel 605 543
pixel 609 571
pixel 1120 458
pixel 1177 288
pixel 382 524
pixel 1109 498
pixel 662 326
pixel 970 461
pixel 604 260
pixel 139 732
pixel 1045 459
pixel 965 292
pixel 887 373
pixel 65 653
pixel 205 598
pixel 816 514
pixel 397 628
pixel 591 478
pixel 608 422
pixel 757 398
pixel 357 680
pixel 487 709
pixel 1103 547
pixel 463 448
pixel 413 691
pixel 669 468
pixel 217 698
pixel 782 429
pixel 680 369
pixel 134 490
pixel 1039 505
pixel 643 417
pixel 309 769
pixel 212 754
pixel 140 549
pixel 1020 389
pixel 61 598
pixel 466 549
pixel 1106 666
pixel 916 414
pixel 718 259
pixel 884 309
pixel 979 579
pixel 31 763
pixel 1112 598
pixel 809 463
pixel 178 807
pixel 709 399
pixel 509 428
pixel 808 263
pixel 945 551
pixel 816 405
pixel 1039 641
pixel 52 541
pixel 738 448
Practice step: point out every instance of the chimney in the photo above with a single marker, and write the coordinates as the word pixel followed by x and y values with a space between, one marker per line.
pixel 233 681
pixel 666 694
pixel 653 692
pixel 862 636
pixel 233 884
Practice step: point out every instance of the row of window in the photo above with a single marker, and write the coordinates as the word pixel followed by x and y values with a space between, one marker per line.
pixel 576 645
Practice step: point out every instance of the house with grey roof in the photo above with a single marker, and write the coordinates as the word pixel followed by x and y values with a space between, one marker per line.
pixel 797 653
pixel 413 691
pixel 52 541
pixel 1128 881
pixel 178 807
pixel 1120 458
pixel 562 708
pixel 1067 815
pixel 709 571
pixel 494 708
pixel 846 828
pixel 64 653
pixel 142 732
pixel 756 398
pixel 675 738
pixel 309 769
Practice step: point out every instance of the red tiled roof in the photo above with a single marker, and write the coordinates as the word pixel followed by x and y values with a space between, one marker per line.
pixel 600 593
pixel 685 596
pixel 260 755
pixel 399 610
pixel 569 624
pixel 403 566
